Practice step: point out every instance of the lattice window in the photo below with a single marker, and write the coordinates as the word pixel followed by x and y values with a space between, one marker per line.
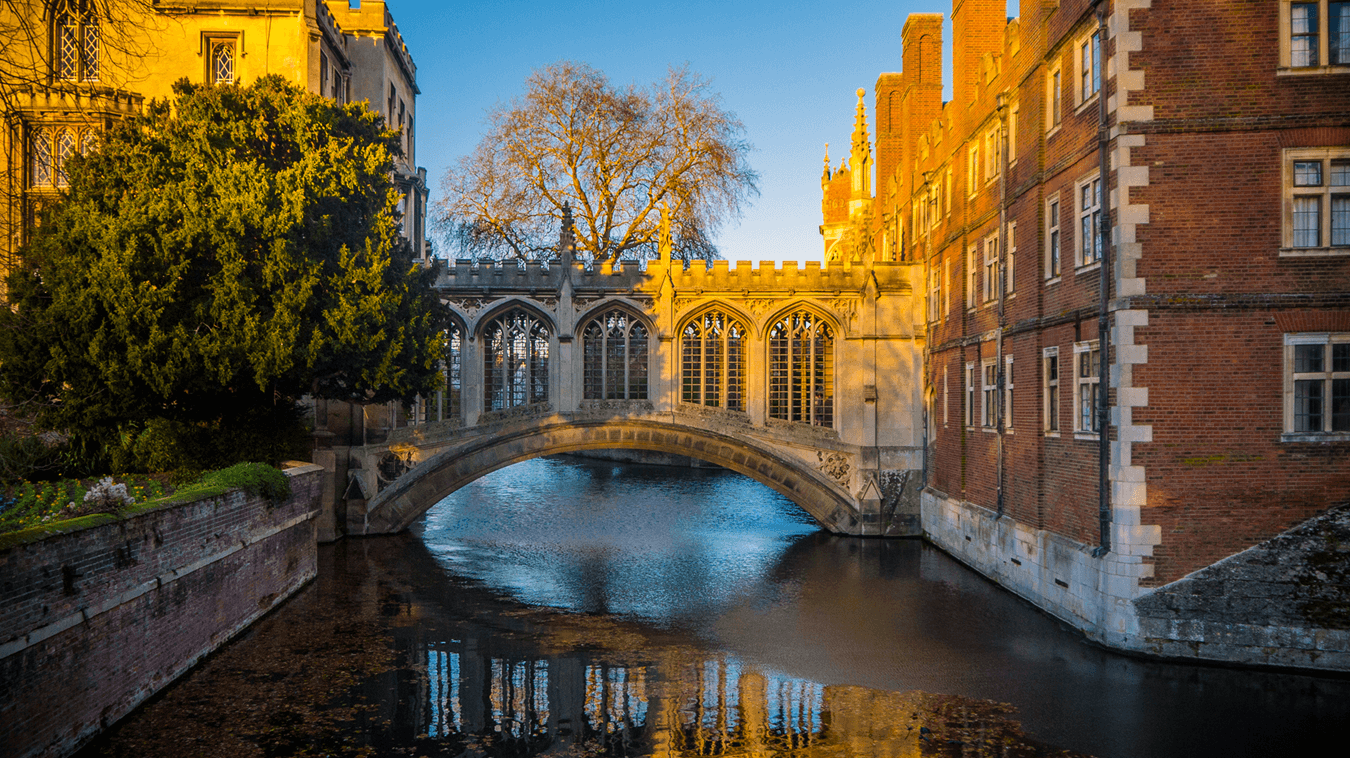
pixel 65 147
pixel 223 61
pixel 44 173
pixel 75 40
pixel 515 371
pixel 712 358
pixel 614 363
pixel 801 369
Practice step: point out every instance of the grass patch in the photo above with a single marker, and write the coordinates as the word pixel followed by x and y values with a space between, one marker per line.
pixel 31 510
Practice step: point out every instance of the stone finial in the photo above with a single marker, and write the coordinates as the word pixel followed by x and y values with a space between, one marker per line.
pixel 825 177
pixel 665 243
pixel 567 239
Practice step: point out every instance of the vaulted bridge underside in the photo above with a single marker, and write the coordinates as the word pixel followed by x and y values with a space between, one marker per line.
pixel 443 460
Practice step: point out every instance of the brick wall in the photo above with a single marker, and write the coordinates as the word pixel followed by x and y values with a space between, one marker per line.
pixel 94 621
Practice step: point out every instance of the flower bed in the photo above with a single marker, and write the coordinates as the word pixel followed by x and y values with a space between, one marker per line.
pixel 29 504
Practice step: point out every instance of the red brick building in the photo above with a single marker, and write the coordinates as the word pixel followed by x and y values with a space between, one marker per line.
pixel 1224 194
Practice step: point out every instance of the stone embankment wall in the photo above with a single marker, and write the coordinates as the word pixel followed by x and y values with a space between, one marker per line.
pixel 1283 603
pixel 94 621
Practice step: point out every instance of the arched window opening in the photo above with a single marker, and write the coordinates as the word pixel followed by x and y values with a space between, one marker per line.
pixel 712 361
pixel 614 358
pixel 222 61
pixel 515 371
pixel 75 39
pixel 65 147
pixel 43 173
pixel 451 400
pixel 801 370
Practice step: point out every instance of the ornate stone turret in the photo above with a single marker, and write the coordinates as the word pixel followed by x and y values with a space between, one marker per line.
pixel 825 175
pixel 665 243
pixel 860 161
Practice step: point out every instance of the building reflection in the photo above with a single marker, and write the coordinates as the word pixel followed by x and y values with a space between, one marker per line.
pixel 680 705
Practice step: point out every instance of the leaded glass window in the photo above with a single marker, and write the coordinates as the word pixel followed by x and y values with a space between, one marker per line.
pixel 712 361
pixel 65 147
pixel 615 358
pixel 801 369
pixel 43 164
pixel 75 40
pixel 222 62
pixel 515 369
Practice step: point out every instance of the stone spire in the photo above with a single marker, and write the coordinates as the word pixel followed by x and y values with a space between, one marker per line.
pixel 860 164
pixel 825 176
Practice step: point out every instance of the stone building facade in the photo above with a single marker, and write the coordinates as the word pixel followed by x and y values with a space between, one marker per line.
pixel 1140 164
pixel 74 67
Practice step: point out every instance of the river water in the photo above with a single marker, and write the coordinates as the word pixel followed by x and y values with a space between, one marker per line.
pixel 569 607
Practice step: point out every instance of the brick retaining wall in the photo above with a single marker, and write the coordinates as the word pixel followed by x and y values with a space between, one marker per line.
pixel 94 621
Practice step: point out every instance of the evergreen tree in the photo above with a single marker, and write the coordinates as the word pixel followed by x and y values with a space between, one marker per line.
pixel 216 258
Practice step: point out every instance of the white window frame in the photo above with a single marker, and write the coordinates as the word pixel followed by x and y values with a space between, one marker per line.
pixel 1088 61
pixel 1323 64
pixel 1054 99
pixel 1328 377
pixel 215 39
pixel 1050 392
pixel 946 287
pixel 973 168
pixel 1010 270
pixel 992 156
pixel 991 269
pixel 948 189
pixel 1084 424
pixel 971 274
pixel 1054 238
pixel 1008 393
pixel 989 394
pixel 1091 242
pixel 946 396
pixel 1327 197
pixel 970 396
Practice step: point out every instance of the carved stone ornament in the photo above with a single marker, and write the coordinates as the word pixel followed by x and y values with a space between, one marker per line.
pixel 833 465
pixel 684 302
pixel 758 305
pixel 471 304
pixel 846 308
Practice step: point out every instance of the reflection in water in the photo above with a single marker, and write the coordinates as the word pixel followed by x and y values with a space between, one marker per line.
pixel 564 608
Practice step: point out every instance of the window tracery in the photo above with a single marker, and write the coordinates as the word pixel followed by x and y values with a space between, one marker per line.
pixel 76 41
pixel 615 358
pixel 801 369
pixel 516 366
pixel 712 361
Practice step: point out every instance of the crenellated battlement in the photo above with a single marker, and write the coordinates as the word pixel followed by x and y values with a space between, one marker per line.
pixel 649 276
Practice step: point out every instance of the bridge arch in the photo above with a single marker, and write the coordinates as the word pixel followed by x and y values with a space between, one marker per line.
pixel 450 468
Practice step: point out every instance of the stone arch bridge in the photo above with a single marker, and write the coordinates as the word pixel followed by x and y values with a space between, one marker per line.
pixel 806 379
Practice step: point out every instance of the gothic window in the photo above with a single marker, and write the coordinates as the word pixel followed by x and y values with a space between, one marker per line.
pixel 614 349
pixel 453 368
pixel 515 371
pixel 75 39
pixel 44 172
pixel 712 356
pixel 223 69
pixel 801 370
pixel 51 149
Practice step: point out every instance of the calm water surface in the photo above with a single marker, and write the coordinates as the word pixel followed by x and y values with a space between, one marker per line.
pixel 565 607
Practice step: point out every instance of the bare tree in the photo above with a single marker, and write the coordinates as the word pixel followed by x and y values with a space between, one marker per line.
pixel 614 155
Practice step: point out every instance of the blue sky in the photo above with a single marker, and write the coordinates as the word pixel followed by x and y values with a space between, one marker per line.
pixel 788 70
